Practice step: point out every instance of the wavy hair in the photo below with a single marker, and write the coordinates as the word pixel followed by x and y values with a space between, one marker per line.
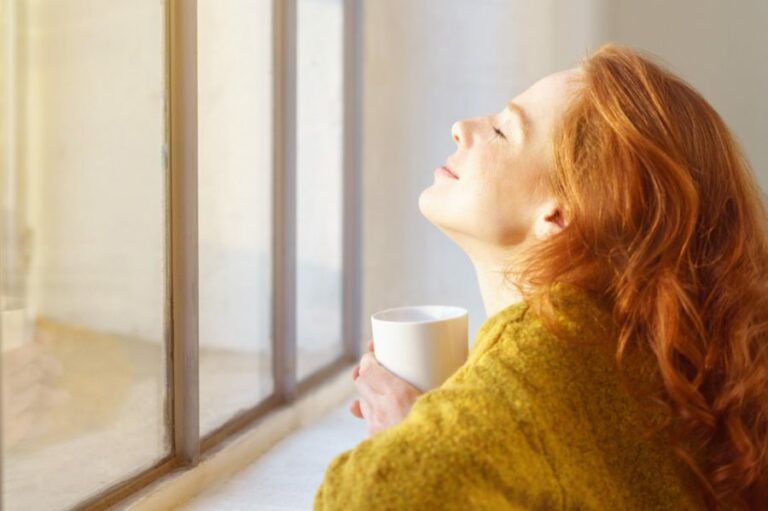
pixel 668 227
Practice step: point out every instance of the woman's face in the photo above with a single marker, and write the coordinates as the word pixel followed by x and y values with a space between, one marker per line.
pixel 497 196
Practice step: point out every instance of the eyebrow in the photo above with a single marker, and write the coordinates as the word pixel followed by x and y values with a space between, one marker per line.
pixel 524 121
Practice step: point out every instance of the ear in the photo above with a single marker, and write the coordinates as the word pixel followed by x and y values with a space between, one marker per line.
pixel 550 219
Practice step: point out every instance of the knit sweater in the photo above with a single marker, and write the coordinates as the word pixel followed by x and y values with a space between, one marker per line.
pixel 530 421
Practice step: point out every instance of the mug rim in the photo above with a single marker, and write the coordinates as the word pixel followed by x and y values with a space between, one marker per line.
pixel 455 312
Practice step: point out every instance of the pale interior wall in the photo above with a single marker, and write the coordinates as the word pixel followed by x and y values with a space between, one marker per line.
pixel 432 62
pixel 428 64
pixel 721 48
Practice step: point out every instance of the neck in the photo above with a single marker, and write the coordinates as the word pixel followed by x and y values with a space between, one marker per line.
pixel 491 262
pixel 497 293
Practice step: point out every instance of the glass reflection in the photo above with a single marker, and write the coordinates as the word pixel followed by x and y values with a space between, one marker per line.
pixel 84 199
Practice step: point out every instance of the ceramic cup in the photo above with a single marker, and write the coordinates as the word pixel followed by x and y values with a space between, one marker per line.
pixel 423 345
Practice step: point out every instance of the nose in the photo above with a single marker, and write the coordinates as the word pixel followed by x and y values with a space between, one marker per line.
pixel 457 131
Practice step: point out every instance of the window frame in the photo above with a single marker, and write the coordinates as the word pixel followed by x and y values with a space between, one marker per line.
pixel 188 448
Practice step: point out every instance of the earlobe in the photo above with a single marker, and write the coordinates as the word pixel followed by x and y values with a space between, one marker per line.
pixel 557 218
pixel 552 222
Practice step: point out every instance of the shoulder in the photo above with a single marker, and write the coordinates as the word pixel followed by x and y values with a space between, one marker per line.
pixel 571 343
pixel 571 313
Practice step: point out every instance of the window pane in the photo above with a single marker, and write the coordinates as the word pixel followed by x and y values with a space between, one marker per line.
pixel 84 294
pixel 319 184
pixel 235 206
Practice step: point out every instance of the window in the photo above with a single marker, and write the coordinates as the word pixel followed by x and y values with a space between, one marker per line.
pixel 319 184
pixel 234 207
pixel 178 238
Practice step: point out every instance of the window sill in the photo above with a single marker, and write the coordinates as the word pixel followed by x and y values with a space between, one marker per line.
pixel 278 463
pixel 287 477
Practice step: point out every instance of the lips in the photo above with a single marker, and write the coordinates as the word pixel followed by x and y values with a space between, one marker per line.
pixel 449 169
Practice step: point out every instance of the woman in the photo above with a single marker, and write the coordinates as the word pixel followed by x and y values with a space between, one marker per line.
pixel 620 244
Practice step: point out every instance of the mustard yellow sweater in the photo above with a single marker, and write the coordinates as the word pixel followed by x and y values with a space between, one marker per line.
pixel 528 422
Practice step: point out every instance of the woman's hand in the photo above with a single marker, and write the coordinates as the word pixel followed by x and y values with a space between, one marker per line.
pixel 385 399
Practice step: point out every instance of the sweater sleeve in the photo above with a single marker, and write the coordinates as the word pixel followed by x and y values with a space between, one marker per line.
pixel 473 443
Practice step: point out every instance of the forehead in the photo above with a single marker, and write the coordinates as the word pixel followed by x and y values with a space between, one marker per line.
pixel 548 97
pixel 555 85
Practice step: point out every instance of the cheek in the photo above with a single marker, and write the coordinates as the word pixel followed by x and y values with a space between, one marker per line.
pixel 505 201
pixel 492 210
pixel 491 203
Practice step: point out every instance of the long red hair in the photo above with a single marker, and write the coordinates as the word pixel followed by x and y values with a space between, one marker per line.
pixel 668 226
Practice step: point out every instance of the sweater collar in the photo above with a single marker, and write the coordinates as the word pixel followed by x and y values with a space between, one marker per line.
pixel 577 309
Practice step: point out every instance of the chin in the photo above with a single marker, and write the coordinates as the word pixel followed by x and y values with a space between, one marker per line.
pixel 430 208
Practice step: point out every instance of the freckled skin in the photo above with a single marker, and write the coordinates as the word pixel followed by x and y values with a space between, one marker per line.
pixel 490 212
pixel 495 203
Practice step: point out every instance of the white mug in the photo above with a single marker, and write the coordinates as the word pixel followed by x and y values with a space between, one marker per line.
pixel 423 345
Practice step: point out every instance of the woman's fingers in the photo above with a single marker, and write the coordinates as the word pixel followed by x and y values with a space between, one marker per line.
pixel 354 408
pixel 366 391
pixel 365 410
pixel 376 375
pixel 356 370
pixel 371 424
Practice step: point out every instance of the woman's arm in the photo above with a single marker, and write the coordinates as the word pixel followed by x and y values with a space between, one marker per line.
pixel 470 444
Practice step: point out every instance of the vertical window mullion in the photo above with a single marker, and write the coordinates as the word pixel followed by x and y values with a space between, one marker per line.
pixel 184 239
pixel 352 296
pixel 284 258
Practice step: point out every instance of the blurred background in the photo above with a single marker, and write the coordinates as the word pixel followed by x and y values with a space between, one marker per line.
pixel 84 190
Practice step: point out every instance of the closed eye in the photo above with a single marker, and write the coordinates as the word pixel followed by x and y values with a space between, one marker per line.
pixel 499 132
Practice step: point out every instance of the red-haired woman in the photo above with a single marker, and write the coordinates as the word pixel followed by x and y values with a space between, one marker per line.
pixel 621 247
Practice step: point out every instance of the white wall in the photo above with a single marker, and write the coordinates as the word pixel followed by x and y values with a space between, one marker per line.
pixel 427 64
pixel 721 48
pixel 431 62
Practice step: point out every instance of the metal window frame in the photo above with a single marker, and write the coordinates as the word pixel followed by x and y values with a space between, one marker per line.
pixel 284 196
pixel 283 229
pixel 182 317
pixel 182 408
pixel 353 143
